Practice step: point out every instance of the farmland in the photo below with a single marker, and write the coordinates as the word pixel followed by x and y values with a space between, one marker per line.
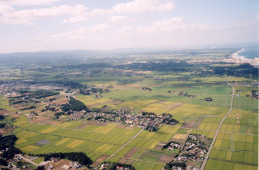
pixel 42 126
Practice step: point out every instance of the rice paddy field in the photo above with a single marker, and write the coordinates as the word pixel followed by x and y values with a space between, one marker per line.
pixel 236 145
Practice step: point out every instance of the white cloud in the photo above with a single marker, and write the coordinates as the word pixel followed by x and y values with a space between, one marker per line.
pixel 119 18
pixel 172 26
pixel 75 19
pixel 141 6
pixel 81 33
pixel 257 17
pixel 27 2
pixel 134 7
pixel 100 13
pixel 12 16
pixel 78 13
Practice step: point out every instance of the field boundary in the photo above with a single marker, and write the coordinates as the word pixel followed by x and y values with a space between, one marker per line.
pixel 216 134
pixel 124 145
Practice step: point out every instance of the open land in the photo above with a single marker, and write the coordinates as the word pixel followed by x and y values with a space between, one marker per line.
pixel 126 118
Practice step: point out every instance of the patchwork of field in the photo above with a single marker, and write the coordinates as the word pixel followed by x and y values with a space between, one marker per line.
pixel 134 97
pixel 4 104
pixel 236 145
pixel 98 141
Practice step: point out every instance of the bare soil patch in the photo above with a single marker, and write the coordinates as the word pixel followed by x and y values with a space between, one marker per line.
pixel 176 105
pixel 80 127
pixel 180 136
pixel 131 152
pixel 188 124
pixel 122 161
pixel 3 112
pixel 43 142
pixel 166 158
pixel 198 122
pixel 58 165
pixel 130 161
pixel 96 123
pixel 101 158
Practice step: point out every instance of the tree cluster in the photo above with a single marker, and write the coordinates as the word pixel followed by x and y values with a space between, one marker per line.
pixel 2 117
pixel 116 165
pixel 74 105
pixel 8 142
pixel 80 157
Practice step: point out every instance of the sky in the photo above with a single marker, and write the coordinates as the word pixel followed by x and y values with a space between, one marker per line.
pixel 46 25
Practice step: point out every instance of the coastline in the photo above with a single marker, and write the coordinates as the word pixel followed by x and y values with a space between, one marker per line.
pixel 236 58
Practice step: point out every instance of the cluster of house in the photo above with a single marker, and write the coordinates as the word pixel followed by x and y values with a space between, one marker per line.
pixel 146 89
pixel 207 99
pixel 181 93
pixel 10 88
pixel 149 121
pixel 52 107
pixel 194 150
pixel 171 146
pixel 99 116
pixel 255 94
pixel 116 166
pixel 95 90
pixel 56 163
pixel 155 78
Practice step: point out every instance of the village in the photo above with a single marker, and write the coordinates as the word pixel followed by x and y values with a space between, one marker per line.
pixel 21 161
pixel 148 121
pixel 190 155
pixel 29 99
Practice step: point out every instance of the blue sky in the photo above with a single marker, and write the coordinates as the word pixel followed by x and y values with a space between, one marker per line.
pixel 36 25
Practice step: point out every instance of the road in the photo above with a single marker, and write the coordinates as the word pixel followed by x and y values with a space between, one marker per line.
pixel 216 134
pixel 27 160
pixel 125 144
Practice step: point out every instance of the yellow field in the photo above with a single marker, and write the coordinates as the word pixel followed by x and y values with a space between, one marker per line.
pixel 217 144
pixel 20 140
pixel 64 125
pixel 112 125
pixel 50 129
pixel 26 134
pixel 169 129
pixel 219 79
pixel 229 155
pixel 62 141
pixel 30 148
pixel 153 145
pixel 103 148
pixel 89 100
pixel 103 129
pixel 75 143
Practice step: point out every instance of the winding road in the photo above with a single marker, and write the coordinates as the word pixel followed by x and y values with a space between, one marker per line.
pixel 216 134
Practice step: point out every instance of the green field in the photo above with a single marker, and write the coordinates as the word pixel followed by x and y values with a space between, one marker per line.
pixel 236 146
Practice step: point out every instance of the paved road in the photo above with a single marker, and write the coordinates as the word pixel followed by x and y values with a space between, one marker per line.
pixel 216 134
pixel 27 160
pixel 125 144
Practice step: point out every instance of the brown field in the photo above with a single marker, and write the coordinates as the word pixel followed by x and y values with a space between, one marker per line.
pixel 130 161
pixel 188 124
pixel 101 158
pixel 131 152
pixel 166 158
pixel 180 136
pixel 122 161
